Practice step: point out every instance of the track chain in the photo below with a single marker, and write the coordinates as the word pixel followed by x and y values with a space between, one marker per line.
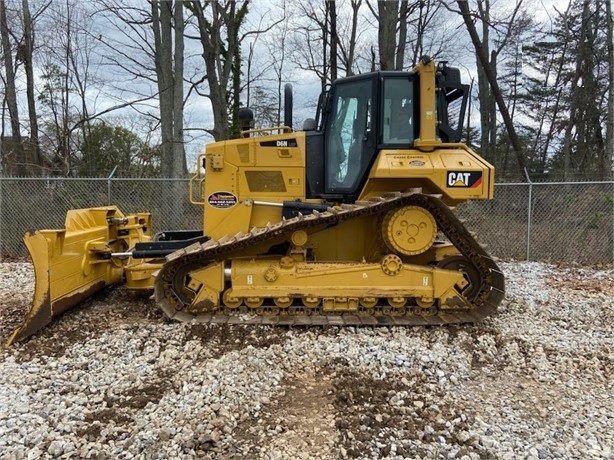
pixel 484 303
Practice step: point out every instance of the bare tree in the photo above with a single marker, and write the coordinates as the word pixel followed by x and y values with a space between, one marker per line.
pixel 147 48
pixel 312 40
pixel 512 60
pixel 168 25
pixel 277 49
pixel 26 55
pixel 484 63
pixel 430 32
pixel 11 92
pixel 408 30
pixel 497 32
pixel 348 47
pixel 331 10
pixel 610 122
pixel 391 17
pixel 65 94
pixel 488 114
pixel 218 26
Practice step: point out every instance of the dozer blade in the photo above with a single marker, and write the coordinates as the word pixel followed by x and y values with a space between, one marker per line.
pixel 72 264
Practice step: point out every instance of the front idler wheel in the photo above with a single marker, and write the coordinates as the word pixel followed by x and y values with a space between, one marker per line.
pixel 470 272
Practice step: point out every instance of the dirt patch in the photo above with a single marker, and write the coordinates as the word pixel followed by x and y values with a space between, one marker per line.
pixel 120 408
pixel 96 421
pixel 301 416
pixel 222 338
pixel 370 408
pixel 111 308
pixel 11 316
pixel 138 398
pixel 411 412
pixel 53 339
pixel 598 279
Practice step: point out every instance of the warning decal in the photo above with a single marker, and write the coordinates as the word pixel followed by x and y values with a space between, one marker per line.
pixel 222 200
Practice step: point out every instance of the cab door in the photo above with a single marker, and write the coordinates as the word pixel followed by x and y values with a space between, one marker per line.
pixel 349 143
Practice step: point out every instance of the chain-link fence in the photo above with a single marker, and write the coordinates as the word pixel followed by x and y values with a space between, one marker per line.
pixel 554 222
pixel 35 203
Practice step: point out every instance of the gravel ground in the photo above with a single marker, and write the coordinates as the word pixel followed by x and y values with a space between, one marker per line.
pixel 114 379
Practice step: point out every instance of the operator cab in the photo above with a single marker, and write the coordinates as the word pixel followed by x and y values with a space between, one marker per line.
pixel 364 114
pixel 354 132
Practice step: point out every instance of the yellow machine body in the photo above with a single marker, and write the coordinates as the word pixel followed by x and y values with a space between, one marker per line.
pixel 73 263
pixel 298 229
pixel 277 175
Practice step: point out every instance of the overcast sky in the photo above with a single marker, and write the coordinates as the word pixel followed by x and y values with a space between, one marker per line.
pixel 306 86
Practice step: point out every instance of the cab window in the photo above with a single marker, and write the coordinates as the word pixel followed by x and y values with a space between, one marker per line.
pixel 398 120
pixel 347 135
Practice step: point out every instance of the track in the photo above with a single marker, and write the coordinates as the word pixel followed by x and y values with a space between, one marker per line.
pixel 487 280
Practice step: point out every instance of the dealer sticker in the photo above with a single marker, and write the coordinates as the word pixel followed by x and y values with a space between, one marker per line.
pixel 222 200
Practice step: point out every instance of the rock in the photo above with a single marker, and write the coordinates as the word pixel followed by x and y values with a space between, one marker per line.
pixel 56 448
pixel 113 380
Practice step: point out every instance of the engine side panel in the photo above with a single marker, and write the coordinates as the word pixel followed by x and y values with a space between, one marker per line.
pixel 455 172
pixel 244 172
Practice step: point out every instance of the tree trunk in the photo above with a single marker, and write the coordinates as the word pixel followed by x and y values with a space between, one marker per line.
pixel 483 60
pixel 610 122
pixel 391 16
pixel 28 33
pixel 399 57
pixel 10 92
pixel 64 148
pixel 235 51
pixel 491 107
pixel 386 36
pixel 168 26
pixel 573 104
pixel 220 56
pixel 217 75
pixel 333 39
pixel 484 92
pixel 162 28
pixel 179 161
pixel 325 34
pixel 351 46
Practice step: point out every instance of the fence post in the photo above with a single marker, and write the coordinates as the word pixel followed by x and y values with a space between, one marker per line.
pixel 1 220
pixel 529 219
pixel 109 185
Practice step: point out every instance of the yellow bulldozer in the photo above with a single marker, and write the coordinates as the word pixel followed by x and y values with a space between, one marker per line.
pixel 348 221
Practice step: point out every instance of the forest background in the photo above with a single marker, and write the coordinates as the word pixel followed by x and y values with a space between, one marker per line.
pixel 137 88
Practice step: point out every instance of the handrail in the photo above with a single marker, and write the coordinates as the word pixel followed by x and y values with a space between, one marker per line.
pixel 195 176
pixel 282 129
